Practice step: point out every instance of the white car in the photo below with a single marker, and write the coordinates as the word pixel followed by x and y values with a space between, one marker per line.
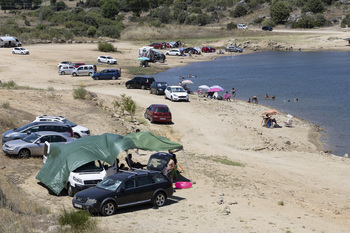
pixel 242 26
pixel 107 59
pixel 176 93
pixel 173 52
pixel 20 50
pixel 78 130
pixel 68 63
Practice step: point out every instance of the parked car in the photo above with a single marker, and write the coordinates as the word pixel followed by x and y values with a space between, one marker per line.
pixel 176 93
pixel 106 74
pixel 20 50
pixel 78 130
pixel 125 189
pixel 65 69
pixel 158 113
pixel 86 176
pixel 158 88
pixel 158 161
pixel 33 144
pixel 242 26
pixel 267 28
pixel 192 50
pixel 233 48
pixel 83 70
pixel 107 59
pixel 21 132
pixel 64 63
pixel 173 52
pixel 156 45
pixel 140 82
pixel 208 49
pixel 77 64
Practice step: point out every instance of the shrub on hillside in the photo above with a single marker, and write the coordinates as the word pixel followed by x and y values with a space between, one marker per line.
pixel 80 93
pixel 106 47
pixel 91 31
pixel 346 21
pixel 231 26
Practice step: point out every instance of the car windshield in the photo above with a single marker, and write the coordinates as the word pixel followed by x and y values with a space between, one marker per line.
pixel 110 184
pixel 178 89
pixel 23 127
pixel 68 122
pixel 161 84
pixel 89 167
pixel 31 137
pixel 109 57
pixel 22 48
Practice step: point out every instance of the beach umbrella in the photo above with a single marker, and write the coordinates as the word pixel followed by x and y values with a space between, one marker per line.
pixel 214 89
pixel 270 112
pixel 204 87
pixel 187 82
pixel 217 86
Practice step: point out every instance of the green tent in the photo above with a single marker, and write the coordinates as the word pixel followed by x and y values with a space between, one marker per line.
pixel 64 158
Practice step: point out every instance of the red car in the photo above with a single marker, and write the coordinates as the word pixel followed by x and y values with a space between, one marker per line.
pixel 76 65
pixel 208 49
pixel 158 113
pixel 157 45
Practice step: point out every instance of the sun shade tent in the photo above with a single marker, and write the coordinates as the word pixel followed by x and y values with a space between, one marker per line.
pixel 65 158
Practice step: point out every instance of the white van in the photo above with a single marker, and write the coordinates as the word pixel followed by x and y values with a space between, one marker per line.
pixel 83 70
pixel 65 69
pixel 243 26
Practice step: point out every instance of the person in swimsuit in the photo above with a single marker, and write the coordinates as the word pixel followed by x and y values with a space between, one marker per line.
pixel 233 94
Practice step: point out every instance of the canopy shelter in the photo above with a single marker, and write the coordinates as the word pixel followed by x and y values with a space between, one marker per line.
pixel 348 39
pixel 65 158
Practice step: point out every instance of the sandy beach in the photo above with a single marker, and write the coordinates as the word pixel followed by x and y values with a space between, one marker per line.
pixel 282 181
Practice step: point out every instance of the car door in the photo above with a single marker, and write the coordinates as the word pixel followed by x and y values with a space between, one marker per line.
pixel 128 193
pixel 137 82
pixel 149 111
pixel 145 188
pixel 37 147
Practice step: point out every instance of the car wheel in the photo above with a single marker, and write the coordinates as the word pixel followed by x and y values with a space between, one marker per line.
pixel 90 73
pixel 145 115
pixel 70 191
pixel 76 136
pixel 96 78
pixel 165 96
pixel 108 62
pixel 150 90
pixel 159 199
pixel 128 86
pixel 99 60
pixel 74 74
pixel 63 73
pixel 157 92
pixel 113 78
pixel 24 154
pixel 151 120
pixel 143 87
pixel 13 52
pixel 172 98
pixel 108 208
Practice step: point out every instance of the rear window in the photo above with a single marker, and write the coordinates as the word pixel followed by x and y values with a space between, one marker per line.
pixel 162 109
pixel 89 167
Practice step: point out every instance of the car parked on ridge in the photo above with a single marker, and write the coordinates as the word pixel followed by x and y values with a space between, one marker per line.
pixel 208 49
pixel 83 70
pixel 267 28
pixel 21 132
pixel 233 48
pixel 64 63
pixel 125 189
pixel 107 59
pixel 158 88
pixel 176 93
pixel 33 144
pixel 242 26
pixel 20 50
pixel 192 50
pixel 158 113
pixel 140 82
pixel 112 74
pixel 78 130
pixel 157 45
pixel 77 64
pixel 65 69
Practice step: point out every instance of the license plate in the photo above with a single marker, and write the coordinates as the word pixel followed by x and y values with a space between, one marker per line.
pixel 78 206
pixel 163 119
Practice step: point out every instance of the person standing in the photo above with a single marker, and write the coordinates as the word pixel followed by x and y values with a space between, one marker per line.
pixel 233 94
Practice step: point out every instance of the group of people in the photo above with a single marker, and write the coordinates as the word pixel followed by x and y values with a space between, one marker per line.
pixel 215 95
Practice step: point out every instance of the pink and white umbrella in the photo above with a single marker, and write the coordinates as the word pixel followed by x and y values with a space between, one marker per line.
pixel 217 86
pixel 187 82
pixel 214 89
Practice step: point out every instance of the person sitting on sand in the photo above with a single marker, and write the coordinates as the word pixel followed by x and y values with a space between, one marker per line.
pixel 266 119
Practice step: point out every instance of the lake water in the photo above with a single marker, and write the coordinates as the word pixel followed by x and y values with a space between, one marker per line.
pixel 319 80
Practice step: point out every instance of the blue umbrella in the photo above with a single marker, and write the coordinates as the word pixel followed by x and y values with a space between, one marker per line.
pixel 143 59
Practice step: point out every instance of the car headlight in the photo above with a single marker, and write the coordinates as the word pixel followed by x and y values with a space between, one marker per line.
pixel 78 180
pixel 174 95
pixel 90 201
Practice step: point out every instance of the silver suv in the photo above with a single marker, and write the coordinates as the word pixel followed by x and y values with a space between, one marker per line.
pixel 83 70
pixel 78 130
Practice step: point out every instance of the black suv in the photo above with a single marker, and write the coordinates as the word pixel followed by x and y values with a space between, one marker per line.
pixel 125 189
pixel 140 82
pixel 158 88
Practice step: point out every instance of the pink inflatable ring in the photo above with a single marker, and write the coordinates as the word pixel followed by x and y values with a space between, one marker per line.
pixel 183 185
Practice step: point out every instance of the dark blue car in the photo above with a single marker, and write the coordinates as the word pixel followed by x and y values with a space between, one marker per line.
pixel 107 74
pixel 158 88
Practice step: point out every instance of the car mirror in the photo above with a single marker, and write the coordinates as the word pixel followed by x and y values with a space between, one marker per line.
pixel 105 167
pixel 29 132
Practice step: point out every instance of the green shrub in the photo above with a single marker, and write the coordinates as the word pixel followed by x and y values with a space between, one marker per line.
pixel 231 26
pixel 9 85
pixel 268 22
pixel 80 93
pixel 239 11
pixel 91 31
pixel 106 47
pixel 79 220
pixel 5 105
pixel 155 23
